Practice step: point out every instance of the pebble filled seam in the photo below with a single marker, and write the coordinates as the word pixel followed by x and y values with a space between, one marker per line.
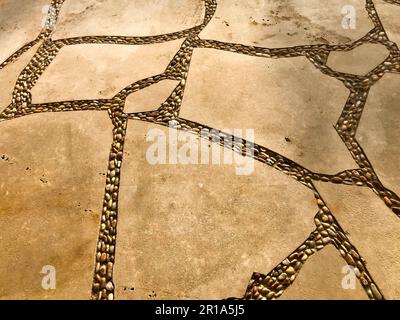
pixel 327 229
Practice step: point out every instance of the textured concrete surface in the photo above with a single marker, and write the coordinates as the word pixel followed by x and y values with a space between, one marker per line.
pixel 324 270
pixel 150 98
pixel 127 18
pixel 360 60
pixel 378 241
pixel 285 23
pixel 52 169
pixel 250 89
pixel 20 22
pixel 195 231
pixel 83 85
pixel 9 75
pixel 100 71
pixel 389 14
pixel 379 130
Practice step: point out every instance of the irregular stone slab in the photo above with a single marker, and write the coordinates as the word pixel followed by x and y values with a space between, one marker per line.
pixel 100 71
pixel 373 229
pixel 20 23
pixel 321 279
pixel 52 170
pixel 287 102
pixel 150 98
pixel 273 23
pixel 389 15
pixel 360 60
pixel 379 130
pixel 9 75
pixel 200 231
pixel 127 18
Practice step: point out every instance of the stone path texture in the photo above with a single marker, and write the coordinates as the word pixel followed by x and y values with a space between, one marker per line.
pixel 85 84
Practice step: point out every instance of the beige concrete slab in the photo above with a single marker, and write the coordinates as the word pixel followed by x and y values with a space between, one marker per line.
pixel 321 278
pixel 9 75
pixel 20 22
pixel 195 230
pixel 52 168
pixel 373 229
pixel 379 130
pixel 279 99
pixel 360 60
pixel 100 71
pixel 271 23
pixel 150 98
pixel 200 231
pixel 127 18
pixel 389 14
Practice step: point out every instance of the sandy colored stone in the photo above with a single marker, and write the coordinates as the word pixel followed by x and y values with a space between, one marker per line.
pixel 321 279
pixel 127 18
pixel 100 71
pixel 192 231
pixel 52 180
pixel 379 130
pixel 9 75
pixel 389 15
pixel 373 229
pixel 150 98
pixel 285 98
pixel 200 231
pixel 20 22
pixel 271 23
pixel 358 61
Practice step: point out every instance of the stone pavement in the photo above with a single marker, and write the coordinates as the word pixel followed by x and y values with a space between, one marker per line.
pixel 88 85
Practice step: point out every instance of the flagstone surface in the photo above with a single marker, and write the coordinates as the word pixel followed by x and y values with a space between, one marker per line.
pixel 199 149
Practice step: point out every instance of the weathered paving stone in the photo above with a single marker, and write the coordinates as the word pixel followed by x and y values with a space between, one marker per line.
pixel 373 229
pixel 195 231
pixel 100 71
pixel 200 231
pixel 358 61
pixel 20 23
pixel 51 185
pixel 273 23
pixel 389 14
pixel 9 76
pixel 279 99
pixel 324 270
pixel 379 130
pixel 151 97
pixel 127 18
